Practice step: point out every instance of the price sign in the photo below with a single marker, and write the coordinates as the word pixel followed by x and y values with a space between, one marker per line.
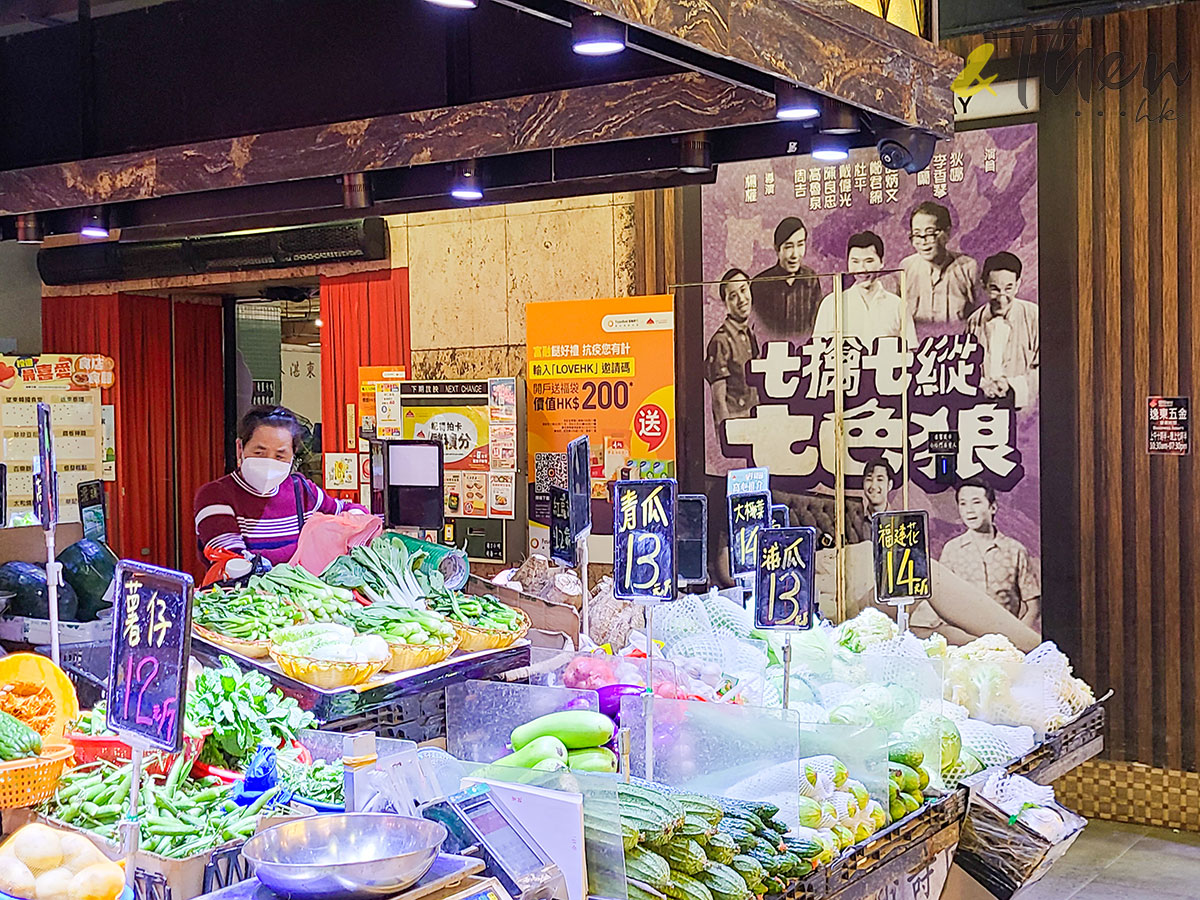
pixel 784 595
pixel 780 517
pixel 152 637
pixel 748 515
pixel 900 541
pixel 691 535
pixel 755 480
pixel 45 476
pixel 92 510
pixel 562 543
pixel 644 558
pixel 579 485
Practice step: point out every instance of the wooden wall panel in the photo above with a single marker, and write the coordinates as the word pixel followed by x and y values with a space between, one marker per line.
pixel 1128 288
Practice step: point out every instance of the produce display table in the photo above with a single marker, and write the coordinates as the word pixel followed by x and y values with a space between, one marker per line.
pixel 408 705
pixel 1064 749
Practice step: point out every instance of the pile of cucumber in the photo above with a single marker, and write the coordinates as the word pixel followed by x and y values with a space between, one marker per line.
pixel 688 846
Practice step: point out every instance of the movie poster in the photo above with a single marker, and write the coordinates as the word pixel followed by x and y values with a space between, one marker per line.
pixel 956 349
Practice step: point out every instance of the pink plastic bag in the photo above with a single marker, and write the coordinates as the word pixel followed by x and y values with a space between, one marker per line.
pixel 326 537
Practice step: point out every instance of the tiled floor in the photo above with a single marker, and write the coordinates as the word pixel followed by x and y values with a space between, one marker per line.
pixel 1111 861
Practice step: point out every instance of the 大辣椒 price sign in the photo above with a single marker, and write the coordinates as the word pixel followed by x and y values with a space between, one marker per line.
pixel 152 637
pixel 644 563
pixel 784 594
pixel 900 541
pixel 749 514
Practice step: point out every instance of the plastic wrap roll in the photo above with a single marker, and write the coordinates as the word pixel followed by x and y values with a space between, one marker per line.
pixel 450 561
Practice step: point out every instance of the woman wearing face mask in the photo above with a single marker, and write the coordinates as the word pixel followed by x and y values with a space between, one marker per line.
pixel 259 509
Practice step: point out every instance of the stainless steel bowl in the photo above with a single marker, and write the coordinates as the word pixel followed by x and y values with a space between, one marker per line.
pixel 351 856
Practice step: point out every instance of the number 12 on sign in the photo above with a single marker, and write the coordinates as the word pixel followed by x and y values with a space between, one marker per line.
pixel 784 592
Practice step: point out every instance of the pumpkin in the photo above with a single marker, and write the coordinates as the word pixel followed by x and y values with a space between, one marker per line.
pixel 39 693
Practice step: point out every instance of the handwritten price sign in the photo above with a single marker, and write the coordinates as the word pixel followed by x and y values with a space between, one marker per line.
pixel 562 542
pixel 644 556
pixel 784 596
pixel 900 541
pixel 152 638
pixel 749 514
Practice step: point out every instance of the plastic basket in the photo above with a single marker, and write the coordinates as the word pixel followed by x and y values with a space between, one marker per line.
pixel 249 649
pixel 417 656
pixel 86 664
pixel 91 747
pixel 28 782
pixel 473 639
pixel 324 673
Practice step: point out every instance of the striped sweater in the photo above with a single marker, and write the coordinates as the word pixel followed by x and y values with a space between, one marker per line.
pixel 231 515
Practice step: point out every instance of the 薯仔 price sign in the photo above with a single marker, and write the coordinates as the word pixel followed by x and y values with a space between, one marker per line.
pixel 784 592
pixel 152 638
pixel 562 541
pixel 900 541
pixel 644 560
pixel 749 514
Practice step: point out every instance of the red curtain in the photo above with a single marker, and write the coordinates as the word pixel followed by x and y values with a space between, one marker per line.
pixel 366 324
pixel 160 401
pixel 199 413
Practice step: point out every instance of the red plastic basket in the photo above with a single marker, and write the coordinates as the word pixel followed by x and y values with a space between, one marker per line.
pixel 89 748
pixel 204 770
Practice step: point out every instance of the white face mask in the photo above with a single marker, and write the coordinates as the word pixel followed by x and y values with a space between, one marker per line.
pixel 265 475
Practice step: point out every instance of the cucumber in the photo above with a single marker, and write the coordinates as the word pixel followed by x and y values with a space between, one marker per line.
pixel 700 806
pixel 750 869
pixel 685 887
pixel 576 728
pixel 721 848
pixel 724 883
pixel 647 866
pixel 696 828
pixel 685 855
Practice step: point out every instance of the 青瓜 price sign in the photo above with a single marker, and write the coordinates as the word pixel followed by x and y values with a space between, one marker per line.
pixel 900 541
pixel 749 514
pixel 784 593
pixel 152 638
pixel 644 563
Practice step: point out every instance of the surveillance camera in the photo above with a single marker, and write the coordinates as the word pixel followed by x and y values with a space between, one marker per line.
pixel 906 148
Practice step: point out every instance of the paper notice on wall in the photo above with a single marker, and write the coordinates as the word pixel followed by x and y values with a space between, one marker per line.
pixel 475 494
pixel 108 433
pixel 389 424
pixel 453 486
pixel 502 400
pixel 502 492
pixel 503 448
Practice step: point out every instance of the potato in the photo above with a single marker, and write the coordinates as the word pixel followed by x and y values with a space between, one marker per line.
pixel 15 878
pixel 38 846
pixel 54 885
pixel 103 881
pixel 78 852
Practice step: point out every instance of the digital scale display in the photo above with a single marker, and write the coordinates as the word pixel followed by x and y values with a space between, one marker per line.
pixel 501 838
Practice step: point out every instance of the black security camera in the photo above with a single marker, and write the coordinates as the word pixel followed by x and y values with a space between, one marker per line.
pixel 906 148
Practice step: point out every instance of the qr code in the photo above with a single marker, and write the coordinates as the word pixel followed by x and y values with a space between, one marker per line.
pixel 549 470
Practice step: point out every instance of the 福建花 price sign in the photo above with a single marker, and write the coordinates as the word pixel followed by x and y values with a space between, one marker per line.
pixel 900 545
pixel 644 565
pixel 152 637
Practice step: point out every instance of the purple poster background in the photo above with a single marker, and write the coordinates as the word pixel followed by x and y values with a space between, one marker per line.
pixel 986 178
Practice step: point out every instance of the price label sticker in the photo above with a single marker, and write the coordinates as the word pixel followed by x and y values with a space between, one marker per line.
pixel 562 542
pixel 749 514
pixel 784 595
pixel 644 555
pixel 900 543
pixel 151 641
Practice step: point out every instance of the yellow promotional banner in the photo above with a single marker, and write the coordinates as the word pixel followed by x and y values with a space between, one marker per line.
pixel 604 368
pixel 463 431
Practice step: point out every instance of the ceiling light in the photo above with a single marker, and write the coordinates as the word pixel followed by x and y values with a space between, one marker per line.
pixel 830 148
pixel 837 117
pixel 356 192
pixel 319 322
pixel 94 223
pixel 595 35
pixel 467 185
pixel 695 154
pixel 794 103
pixel 455 4
pixel 29 229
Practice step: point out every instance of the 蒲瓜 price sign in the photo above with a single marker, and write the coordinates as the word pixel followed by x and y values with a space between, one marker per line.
pixel 644 563
pixel 900 544
pixel 152 638
pixel 784 590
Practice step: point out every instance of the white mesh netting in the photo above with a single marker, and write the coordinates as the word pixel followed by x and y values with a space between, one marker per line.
pixel 995 745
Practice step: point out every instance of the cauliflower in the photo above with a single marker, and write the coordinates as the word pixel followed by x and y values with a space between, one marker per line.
pixel 991 647
pixel 936 646
pixel 869 627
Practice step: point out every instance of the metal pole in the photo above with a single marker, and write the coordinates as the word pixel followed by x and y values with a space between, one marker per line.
pixel 53 580
pixel 904 394
pixel 648 697
pixel 129 828
pixel 839 473
pixel 787 668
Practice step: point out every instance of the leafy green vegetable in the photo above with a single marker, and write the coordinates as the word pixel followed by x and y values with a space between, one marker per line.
pixel 244 710
pixel 320 600
pixel 321 781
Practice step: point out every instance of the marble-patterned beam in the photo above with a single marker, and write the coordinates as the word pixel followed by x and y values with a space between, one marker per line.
pixel 672 104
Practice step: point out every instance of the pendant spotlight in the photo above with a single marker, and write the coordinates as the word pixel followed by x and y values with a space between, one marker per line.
pixel 29 229
pixel 794 103
pixel 593 34
pixel 94 222
pixel 830 148
pixel 837 118
pixel 695 154
pixel 466 185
